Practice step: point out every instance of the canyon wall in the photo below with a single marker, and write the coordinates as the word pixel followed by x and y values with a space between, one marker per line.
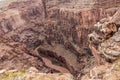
pixel 52 29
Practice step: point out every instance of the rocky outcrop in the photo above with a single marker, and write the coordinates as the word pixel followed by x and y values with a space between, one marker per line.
pixel 106 44
pixel 103 72
pixel 109 48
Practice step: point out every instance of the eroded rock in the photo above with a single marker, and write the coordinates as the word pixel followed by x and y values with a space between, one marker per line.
pixel 49 29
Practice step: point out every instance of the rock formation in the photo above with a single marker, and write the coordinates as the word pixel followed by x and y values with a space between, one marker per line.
pixel 54 31
pixel 109 44
pixel 108 49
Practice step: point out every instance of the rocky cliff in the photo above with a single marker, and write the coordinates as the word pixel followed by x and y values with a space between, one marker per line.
pixel 53 30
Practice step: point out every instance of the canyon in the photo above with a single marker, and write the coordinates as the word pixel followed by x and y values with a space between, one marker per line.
pixel 50 35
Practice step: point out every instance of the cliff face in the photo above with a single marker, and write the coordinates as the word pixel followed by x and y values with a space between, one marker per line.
pixel 71 19
pixel 51 30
